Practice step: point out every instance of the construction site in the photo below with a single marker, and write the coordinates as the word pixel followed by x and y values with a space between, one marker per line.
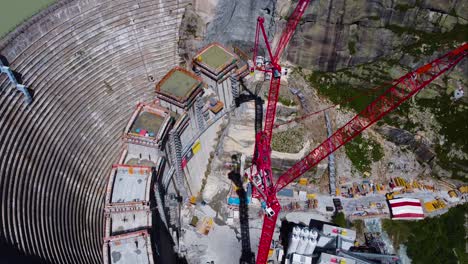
pixel 214 131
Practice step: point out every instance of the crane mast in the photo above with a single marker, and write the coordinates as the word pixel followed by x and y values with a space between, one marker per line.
pixel 261 174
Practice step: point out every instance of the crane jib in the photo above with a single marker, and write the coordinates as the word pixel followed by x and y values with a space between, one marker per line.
pixel 403 89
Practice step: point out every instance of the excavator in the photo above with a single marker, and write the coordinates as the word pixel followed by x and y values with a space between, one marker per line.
pixel 260 173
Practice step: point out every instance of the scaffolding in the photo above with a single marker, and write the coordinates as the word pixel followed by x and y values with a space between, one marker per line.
pixel 176 160
pixel 20 87
pixel 199 113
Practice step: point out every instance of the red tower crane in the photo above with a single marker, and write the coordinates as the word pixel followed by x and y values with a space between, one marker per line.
pixel 261 175
pixel 260 172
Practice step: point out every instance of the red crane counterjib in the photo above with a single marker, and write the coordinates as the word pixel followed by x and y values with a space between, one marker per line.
pixel 288 32
pixel 276 82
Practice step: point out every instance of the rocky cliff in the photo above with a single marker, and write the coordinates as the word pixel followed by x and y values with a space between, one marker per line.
pixel 336 34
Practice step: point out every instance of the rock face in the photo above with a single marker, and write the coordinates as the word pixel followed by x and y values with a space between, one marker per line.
pixel 337 34
pixel 404 138
pixel 334 34
pixel 235 21
pixel 224 21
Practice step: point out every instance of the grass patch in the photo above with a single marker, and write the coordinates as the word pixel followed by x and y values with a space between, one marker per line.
pixel 339 219
pixel 290 141
pixel 286 102
pixel 453 119
pixel 427 44
pixel 349 83
pixel 403 7
pixel 362 152
pixel 432 240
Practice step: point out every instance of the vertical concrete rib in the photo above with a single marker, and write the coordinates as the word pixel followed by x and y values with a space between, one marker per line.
pixel 331 158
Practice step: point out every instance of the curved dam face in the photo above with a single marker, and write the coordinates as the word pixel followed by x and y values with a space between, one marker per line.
pixel 88 63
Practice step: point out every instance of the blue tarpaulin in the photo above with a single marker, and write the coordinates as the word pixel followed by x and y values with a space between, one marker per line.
pixel 235 200
pixel 286 192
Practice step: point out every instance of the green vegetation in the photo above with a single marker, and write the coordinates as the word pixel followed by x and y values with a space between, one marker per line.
pixel 358 225
pixel 403 7
pixel 352 47
pixel 453 12
pixel 432 240
pixel 15 12
pixel 339 219
pixel 426 44
pixel 453 119
pixel 344 85
pixel 351 89
pixel 289 141
pixel 362 152
pixel 286 101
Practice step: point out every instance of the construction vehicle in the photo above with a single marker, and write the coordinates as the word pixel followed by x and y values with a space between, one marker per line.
pixel 391 195
pixel 260 173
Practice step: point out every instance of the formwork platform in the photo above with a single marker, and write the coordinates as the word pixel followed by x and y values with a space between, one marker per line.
pixel 118 222
pixel 148 126
pixel 129 248
pixel 128 184
pixel 216 59
pixel 218 67
pixel 147 121
pixel 179 87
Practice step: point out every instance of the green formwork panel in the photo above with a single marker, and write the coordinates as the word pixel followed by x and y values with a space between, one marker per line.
pixel 215 57
pixel 147 121
pixel 179 84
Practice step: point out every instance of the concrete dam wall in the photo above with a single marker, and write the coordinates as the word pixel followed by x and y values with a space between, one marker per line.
pixel 88 63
